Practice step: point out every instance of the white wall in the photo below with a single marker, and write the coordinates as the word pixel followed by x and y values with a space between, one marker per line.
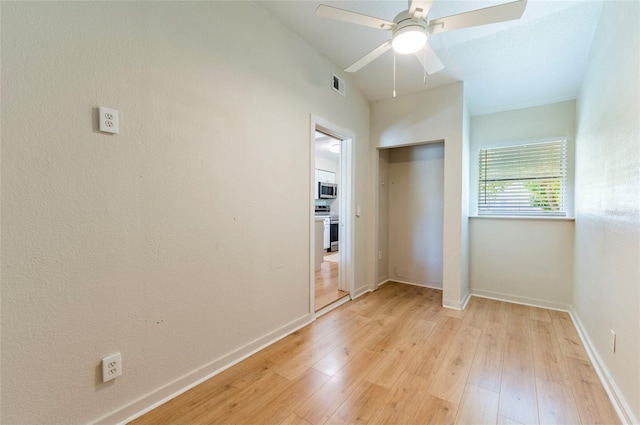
pixel 432 115
pixel 606 293
pixel 157 242
pixel 525 260
pixel 416 207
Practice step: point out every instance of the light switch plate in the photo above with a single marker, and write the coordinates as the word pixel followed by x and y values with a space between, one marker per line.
pixel 108 118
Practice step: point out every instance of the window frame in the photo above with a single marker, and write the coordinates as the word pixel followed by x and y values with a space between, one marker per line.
pixel 474 179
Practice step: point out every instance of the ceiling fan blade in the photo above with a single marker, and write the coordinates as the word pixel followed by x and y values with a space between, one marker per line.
pixel 369 57
pixel 488 15
pixel 429 60
pixel 325 11
pixel 419 9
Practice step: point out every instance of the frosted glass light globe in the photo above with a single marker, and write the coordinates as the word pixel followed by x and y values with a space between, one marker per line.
pixel 409 40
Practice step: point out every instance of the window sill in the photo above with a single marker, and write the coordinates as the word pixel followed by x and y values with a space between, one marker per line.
pixel 521 217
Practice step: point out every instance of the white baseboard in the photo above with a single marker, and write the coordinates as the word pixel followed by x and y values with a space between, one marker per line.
pixel 619 403
pixel 408 282
pixel 383 281
pixel 185 383
pixel 455 304
pixel 533 302
pixel 360 292
pixel 332 306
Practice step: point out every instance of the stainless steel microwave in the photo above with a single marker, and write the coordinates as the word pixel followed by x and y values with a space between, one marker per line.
pixel 327 190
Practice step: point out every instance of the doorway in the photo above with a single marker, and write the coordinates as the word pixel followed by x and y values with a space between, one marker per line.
pixel 411 215
pixel 330 277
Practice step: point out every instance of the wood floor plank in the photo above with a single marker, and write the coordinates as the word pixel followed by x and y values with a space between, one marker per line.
pixel 518 390
pixel 404 401
pixel 285 403
pixel 450 380
pixel 542 314
pixel 430 354
pixel 476 313
pixel 486 370
pixel 300 360
pixel 360 405
pixel 478 406
pixel 547 355
pixel 568 338
pixel 590 397
pixel 245 402
pixel 502 420
pixel 497 311
pixel 518 322
pixel 556 404
pixel 435 411
pixel 397 360
pixel 364 338
pixel 320 405
pixel 294 419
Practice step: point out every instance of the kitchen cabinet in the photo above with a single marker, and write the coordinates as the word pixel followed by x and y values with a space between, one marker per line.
pixel 326 176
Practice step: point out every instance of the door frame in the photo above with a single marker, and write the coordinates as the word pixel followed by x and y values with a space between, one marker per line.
pixel 345 195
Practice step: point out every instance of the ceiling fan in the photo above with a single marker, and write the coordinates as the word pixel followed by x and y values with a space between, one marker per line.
pixel 410 28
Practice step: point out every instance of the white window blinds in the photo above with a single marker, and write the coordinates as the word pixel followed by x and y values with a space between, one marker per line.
pixel 523 180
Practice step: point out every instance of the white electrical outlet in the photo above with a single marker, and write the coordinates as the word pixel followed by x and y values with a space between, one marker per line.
pixel 109 122
pixel 379 255
pixel 111 367
pixel 613 341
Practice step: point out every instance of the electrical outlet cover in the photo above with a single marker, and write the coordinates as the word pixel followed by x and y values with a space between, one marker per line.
pixel 109 120
pixel 111 367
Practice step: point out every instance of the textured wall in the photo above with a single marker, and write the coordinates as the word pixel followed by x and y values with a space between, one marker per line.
pixel 158 242
pixel 527 260
pixel 524 260
pixel 606 292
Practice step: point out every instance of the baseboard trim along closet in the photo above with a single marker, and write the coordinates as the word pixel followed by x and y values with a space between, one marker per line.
pixel 360 292
pixel 408 282
pixel 619 403
pixel 332 306
pixel 455 304
pixel 533 302
pixel 190 380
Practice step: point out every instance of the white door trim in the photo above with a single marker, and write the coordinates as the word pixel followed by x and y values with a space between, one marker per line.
pixel 345 194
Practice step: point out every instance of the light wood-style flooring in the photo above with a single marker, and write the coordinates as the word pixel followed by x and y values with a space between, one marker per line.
pixel 396 356
pixel 326 284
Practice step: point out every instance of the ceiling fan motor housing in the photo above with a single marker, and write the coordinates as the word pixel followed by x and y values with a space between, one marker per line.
pixel 409 35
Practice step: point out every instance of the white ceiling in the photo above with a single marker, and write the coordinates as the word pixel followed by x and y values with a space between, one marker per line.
pixel 536 60
pixel 323 145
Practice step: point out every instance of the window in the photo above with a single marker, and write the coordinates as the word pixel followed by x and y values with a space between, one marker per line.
pixel 523 180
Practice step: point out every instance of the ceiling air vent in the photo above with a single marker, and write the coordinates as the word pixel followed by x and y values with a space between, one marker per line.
pixel 338 85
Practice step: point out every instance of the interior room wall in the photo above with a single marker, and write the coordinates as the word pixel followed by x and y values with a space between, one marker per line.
pixel 526 260
pixel 606 293
pixel 383 215
pixel 159 242
pixel 416 208
pixel 427 116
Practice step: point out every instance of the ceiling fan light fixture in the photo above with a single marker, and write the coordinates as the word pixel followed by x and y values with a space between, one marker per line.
pixel 409 39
